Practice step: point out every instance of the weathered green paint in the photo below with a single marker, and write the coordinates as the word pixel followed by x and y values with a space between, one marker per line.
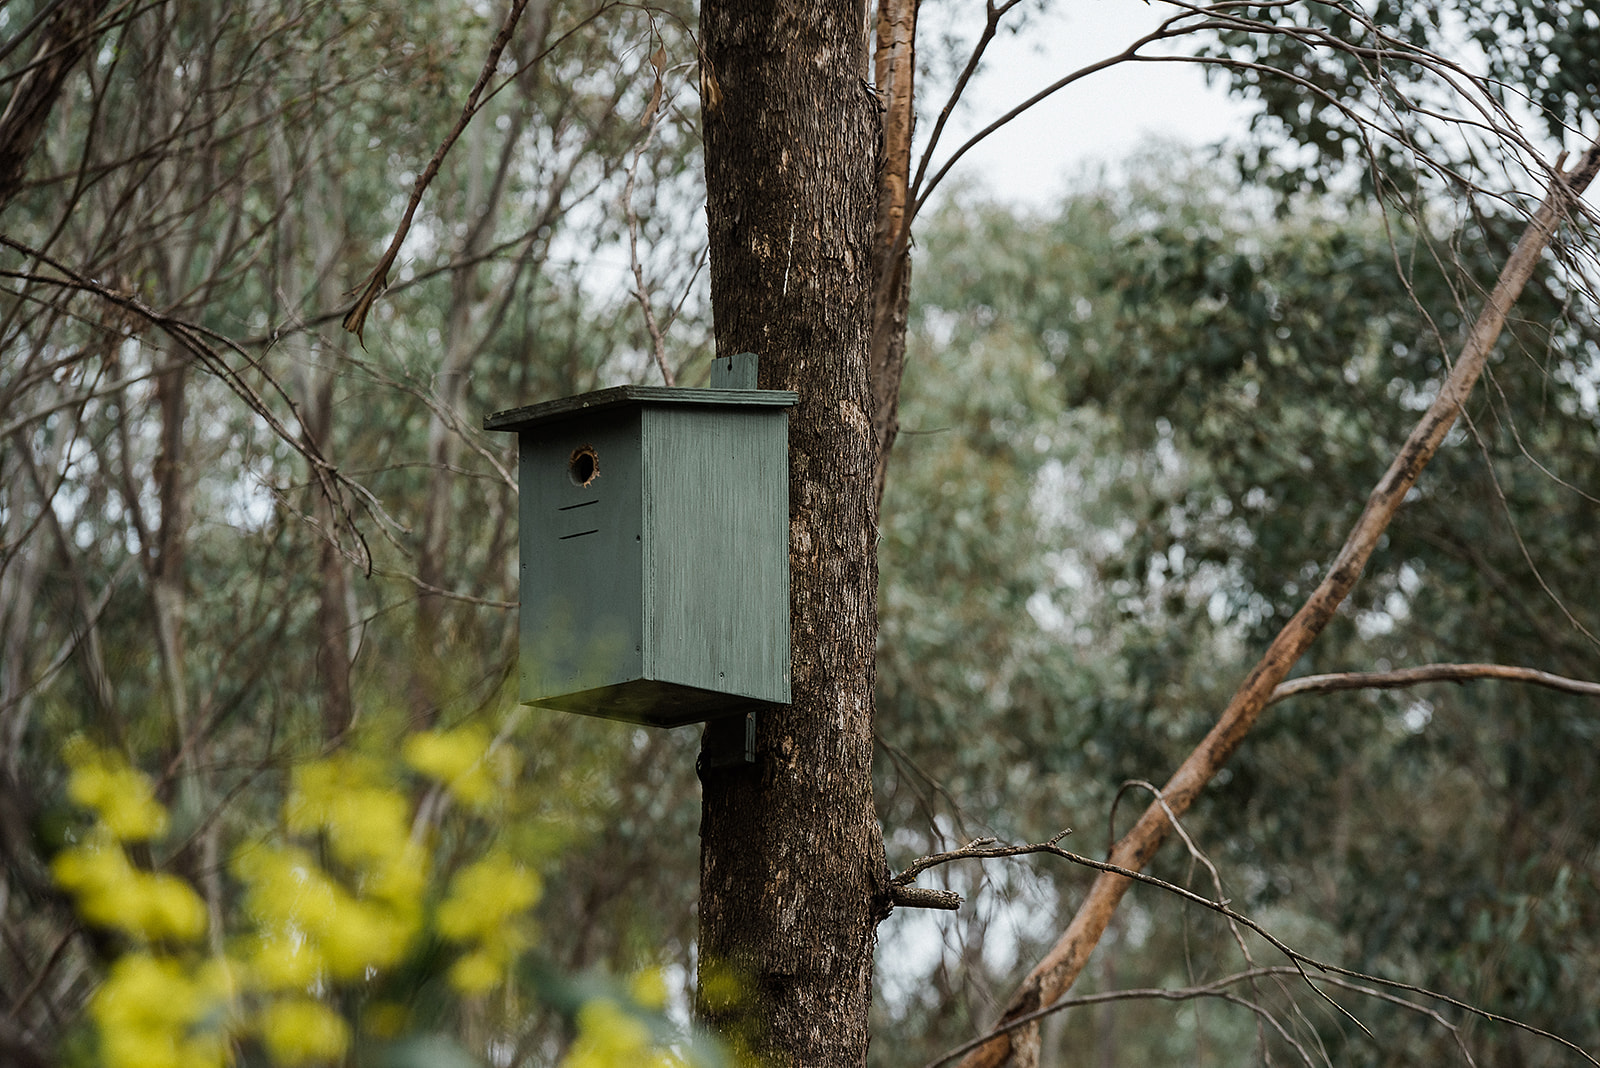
pixel 739 371
pixel 656 591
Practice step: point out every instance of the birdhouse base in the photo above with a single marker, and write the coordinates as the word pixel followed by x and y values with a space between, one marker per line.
pixel 656 704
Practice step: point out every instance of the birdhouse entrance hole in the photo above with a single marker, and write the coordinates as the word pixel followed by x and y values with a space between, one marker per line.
pixel 584 465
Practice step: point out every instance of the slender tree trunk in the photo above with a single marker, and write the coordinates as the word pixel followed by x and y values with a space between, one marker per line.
pixel 334 622
pixel 166 564
pixel 894 74
pixel 68 34
pixel 792 865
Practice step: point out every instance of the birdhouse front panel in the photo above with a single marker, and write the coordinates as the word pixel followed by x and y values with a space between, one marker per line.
pixel 582 548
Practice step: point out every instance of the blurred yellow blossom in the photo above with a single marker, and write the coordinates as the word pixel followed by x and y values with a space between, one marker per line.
pixel 152 1013
pixel 458 759
pixel 281 960
pixel 118 794
pixel 364 935
pixel 484 896
pixel 484 909
pixel 401 879
pixel 300 1031
pixel 348 908
pixel 481 970
pixel 366 819
pixel 294 898
pixel 648 988
pixel 112 893
pixel 610 1036
pixel 284 885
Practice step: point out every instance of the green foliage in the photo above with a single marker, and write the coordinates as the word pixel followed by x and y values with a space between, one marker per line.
pixel 1156 415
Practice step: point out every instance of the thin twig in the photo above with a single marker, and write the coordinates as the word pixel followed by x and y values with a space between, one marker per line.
pixel 355 320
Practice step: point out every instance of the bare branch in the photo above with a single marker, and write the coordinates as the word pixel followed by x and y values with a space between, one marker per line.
pixel 1299 961
pixel 978 849
pixel 641 292
pixel 1393 680
pixel 199 341
pixel 1217 989
pixel 355 320
pixel 923 897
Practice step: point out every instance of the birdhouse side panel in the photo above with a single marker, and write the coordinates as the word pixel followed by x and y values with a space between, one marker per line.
pixel 582 572
pixel 717 551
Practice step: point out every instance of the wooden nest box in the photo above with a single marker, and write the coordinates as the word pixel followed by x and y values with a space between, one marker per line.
pixel 654 531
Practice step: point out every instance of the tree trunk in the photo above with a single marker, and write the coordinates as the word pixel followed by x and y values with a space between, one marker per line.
pixel 792 864
pixel 69 33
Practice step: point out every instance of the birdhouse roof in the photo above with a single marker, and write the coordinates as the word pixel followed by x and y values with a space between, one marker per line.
pixel 530 416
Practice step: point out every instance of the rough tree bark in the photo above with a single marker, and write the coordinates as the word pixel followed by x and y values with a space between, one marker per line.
pixel 792 866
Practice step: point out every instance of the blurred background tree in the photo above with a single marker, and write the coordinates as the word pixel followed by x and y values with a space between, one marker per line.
pixel 1134 422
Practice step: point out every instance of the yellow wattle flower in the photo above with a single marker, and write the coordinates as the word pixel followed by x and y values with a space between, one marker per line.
pixel 112 893
pixel 300 1031
pixel 151 1011
pixel 457 758
pixel 119 795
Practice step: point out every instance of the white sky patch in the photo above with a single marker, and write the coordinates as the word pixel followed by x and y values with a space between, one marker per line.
pixel 1100 119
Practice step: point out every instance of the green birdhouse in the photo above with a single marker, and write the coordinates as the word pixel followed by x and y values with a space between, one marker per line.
pixel 654 530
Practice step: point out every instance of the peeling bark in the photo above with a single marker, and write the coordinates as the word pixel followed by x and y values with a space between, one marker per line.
pixel 894 74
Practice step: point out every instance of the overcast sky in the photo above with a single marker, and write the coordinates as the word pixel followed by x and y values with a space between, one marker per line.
pixel 1103 117
pixel 1099 119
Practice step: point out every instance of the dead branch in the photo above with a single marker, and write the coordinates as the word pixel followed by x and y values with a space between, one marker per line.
pixel 1402 677
pixel 1062 964
pixel 978 849
pixel 1217 989
pixel 1299 962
